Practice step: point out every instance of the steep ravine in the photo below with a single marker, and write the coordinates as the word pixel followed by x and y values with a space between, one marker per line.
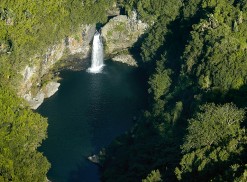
pixel 119 34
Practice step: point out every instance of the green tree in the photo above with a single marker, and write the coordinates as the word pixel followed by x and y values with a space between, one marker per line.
pixel 214 144
pixel 21 132
pixel 159 82
pixel 214 57
pixel 154 176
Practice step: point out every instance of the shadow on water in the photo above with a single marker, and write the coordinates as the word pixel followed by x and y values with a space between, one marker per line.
pixel 86 114
pixel 78 175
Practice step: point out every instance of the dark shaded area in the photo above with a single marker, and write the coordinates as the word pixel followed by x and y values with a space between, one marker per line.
pixel 191 60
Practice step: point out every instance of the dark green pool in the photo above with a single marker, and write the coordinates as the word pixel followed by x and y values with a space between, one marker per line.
pixel 86 114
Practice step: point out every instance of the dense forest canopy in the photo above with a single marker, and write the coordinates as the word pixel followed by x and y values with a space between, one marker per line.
pixel 194 53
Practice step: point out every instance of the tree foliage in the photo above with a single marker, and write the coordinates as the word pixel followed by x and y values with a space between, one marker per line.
pixel 215 55
pixel 214 144
pixel 159 82
pixel 194 53
pixel 154 176
pixel 21 132
pixel 213 125
pixel 151 10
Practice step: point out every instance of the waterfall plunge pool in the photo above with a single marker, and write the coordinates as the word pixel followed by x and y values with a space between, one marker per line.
pixel 86 114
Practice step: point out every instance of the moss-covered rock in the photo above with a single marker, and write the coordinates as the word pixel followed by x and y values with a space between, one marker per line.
pixel 121 32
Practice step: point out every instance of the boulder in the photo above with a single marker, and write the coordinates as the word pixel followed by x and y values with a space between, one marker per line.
pixel 94 159
pixel 125 58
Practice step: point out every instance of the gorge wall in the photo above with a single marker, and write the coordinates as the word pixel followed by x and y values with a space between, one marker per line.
pixel 119 34
pixel 38 83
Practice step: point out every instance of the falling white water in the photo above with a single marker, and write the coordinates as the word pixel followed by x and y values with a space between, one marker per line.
pixel 97 54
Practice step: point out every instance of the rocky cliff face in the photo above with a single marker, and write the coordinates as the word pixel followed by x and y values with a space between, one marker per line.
pixel 37 82
pixel 120 34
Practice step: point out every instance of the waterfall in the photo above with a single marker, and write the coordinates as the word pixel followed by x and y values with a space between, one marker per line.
pixel 97 54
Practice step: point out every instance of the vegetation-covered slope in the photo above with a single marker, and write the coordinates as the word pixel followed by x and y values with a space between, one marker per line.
pixel 27 28
pixel 21 132
pixel 195 53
